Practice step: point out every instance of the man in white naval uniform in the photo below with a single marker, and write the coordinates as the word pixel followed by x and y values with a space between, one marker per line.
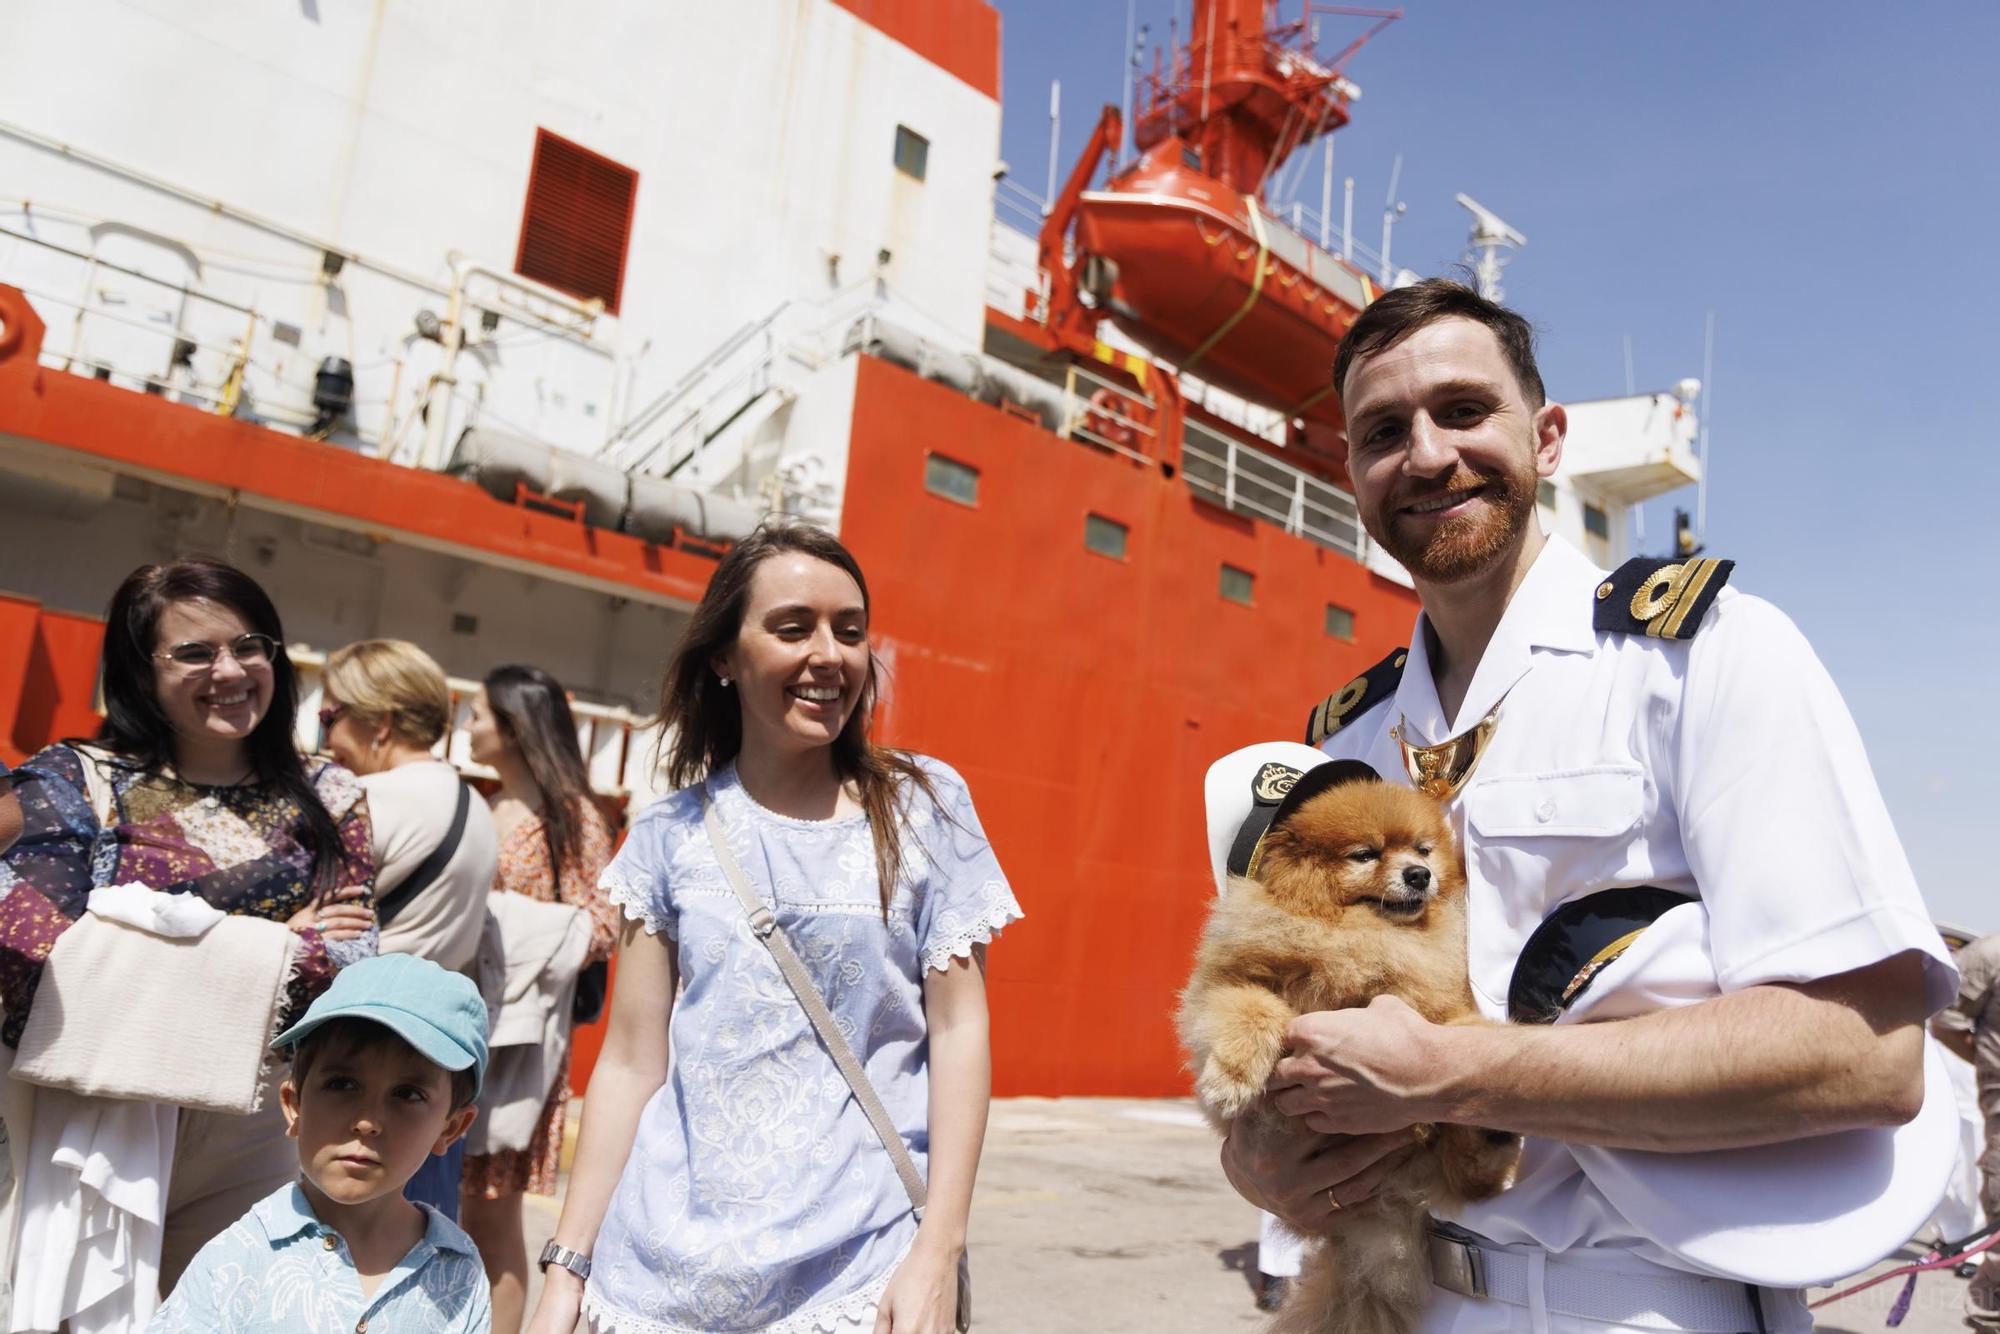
pixel 1652 727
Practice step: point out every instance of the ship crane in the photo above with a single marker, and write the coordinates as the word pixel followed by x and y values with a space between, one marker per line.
pixel 1180 250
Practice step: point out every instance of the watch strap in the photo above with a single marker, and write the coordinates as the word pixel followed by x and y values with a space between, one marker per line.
pixel 575 1261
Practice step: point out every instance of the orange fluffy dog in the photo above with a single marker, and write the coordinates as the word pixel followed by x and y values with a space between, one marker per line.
pixel 1359 893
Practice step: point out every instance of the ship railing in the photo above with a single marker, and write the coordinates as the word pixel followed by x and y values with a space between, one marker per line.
pixel 176 338
pixel 201 330
pixel 620 748
pixel 624 447
pixel 717 390
pixel 1109 415
pixel 1245 480
pixel 1310 241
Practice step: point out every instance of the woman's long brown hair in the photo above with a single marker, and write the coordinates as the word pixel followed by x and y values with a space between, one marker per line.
pixel 706 722
pixel 533 709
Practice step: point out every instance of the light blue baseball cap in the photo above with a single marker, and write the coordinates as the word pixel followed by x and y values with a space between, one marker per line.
pixel 435 1010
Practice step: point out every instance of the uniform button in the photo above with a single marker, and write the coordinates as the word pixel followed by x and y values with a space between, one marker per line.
pixel 1546 811
pixel 328 1242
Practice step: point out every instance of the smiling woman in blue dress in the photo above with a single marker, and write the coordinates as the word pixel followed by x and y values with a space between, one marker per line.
pixel 745 1191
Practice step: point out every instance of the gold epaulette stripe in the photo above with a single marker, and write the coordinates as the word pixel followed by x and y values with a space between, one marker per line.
pixel 1689 596
pixel 1666 601
pixel 1331 713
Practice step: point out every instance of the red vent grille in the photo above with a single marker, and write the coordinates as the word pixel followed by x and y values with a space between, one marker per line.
pixel 578 220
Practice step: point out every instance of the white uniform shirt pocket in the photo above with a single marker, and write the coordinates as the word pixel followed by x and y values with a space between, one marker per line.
pixel 1599 802
pixel 1534 841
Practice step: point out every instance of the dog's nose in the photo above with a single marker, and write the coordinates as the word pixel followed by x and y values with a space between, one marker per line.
pixel 1417 878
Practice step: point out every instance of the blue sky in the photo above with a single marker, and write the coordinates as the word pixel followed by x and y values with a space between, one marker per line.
pixel 1824 177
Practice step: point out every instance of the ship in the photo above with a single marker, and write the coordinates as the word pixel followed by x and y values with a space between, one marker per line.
pixel 492 326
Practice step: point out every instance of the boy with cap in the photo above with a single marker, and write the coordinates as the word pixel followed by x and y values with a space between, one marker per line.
pixel 385 1067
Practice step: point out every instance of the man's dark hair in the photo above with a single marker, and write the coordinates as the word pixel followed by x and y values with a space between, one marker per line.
pixel 1397 314
pixel 352 1036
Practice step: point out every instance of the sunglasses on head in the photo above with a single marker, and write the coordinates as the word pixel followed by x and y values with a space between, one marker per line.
pixel 248 650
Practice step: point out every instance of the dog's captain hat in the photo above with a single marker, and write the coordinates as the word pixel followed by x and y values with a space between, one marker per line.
pixel 1250 790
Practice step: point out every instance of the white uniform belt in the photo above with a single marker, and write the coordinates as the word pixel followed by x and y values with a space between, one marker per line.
pixel 1646 1301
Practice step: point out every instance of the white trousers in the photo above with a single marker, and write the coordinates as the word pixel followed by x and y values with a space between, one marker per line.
pixel 1279 1249
pixel 1449 1313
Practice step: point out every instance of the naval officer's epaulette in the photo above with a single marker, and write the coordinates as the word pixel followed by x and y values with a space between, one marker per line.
pixel 1659 599
pixel 1355 698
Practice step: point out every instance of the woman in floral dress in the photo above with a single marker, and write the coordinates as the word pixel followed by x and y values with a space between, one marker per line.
pixel 554 844
pixel 743 1189
pixel 193 786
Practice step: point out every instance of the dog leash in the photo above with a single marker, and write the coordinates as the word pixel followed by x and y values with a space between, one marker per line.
pixel 1945 1255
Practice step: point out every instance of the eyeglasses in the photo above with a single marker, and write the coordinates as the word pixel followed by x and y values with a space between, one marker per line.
pixel 247 650
pixel 329 714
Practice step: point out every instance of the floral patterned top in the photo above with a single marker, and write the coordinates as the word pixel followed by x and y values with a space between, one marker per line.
pixel 524 869
pixel 240 847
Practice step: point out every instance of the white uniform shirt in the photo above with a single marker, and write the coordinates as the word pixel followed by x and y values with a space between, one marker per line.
pixel 1725 766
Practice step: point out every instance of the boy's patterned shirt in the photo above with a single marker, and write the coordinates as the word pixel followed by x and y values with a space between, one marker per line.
pixel 279 1270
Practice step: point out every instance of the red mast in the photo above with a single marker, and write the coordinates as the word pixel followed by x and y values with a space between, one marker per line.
pixel 1247 91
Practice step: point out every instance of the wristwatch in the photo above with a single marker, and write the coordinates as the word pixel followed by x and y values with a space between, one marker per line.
pixel 575 1261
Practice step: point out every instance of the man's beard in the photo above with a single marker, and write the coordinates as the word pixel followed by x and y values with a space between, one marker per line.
pixel 1462 547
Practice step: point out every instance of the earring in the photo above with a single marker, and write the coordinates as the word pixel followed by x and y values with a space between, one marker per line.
pixel 725 683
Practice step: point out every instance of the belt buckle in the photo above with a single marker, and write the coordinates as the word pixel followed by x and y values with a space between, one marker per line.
pixel 1457 1266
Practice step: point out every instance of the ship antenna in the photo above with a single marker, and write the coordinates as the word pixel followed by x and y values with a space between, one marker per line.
pixel 1055 132
pixel 1326 199
pixel 1482 248
pixel 1391 210
pixel 1707 401
pixel 1135 37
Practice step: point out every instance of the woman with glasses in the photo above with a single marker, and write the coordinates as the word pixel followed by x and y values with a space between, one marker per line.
pixel 193 785
pixel 385 705
pixel 554 844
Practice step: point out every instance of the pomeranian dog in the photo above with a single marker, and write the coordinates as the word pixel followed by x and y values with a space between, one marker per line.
pixel 1359 892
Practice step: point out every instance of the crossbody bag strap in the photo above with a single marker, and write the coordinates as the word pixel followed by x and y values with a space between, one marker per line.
pixel 425 873
pixel 764 925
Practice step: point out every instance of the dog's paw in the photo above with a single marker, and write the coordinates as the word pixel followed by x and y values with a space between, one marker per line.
pixel 1224 1092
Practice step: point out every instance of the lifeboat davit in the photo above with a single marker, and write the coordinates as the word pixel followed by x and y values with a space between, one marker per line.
pixel 1204 277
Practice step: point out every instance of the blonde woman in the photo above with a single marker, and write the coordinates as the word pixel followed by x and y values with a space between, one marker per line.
pixel 385 706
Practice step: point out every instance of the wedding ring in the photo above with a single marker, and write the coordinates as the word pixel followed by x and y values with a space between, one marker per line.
pixel 1330 1199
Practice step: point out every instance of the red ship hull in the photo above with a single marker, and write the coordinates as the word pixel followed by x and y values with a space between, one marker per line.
pixel 1083 697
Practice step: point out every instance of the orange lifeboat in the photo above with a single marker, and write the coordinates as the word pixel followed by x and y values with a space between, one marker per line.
pixel 1178 248
pixel 1201 275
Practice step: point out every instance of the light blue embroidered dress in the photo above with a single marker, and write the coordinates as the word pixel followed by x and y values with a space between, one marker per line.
pixel 757 1197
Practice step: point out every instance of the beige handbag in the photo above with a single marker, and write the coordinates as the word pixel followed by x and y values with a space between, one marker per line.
pixel 764 925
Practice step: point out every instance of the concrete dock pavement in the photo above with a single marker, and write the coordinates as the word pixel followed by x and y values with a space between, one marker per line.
pixel 1110 1216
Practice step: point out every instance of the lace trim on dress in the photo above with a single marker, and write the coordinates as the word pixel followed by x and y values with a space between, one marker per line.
pixel 955 939
pixel 636 900
pixel 854 1311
